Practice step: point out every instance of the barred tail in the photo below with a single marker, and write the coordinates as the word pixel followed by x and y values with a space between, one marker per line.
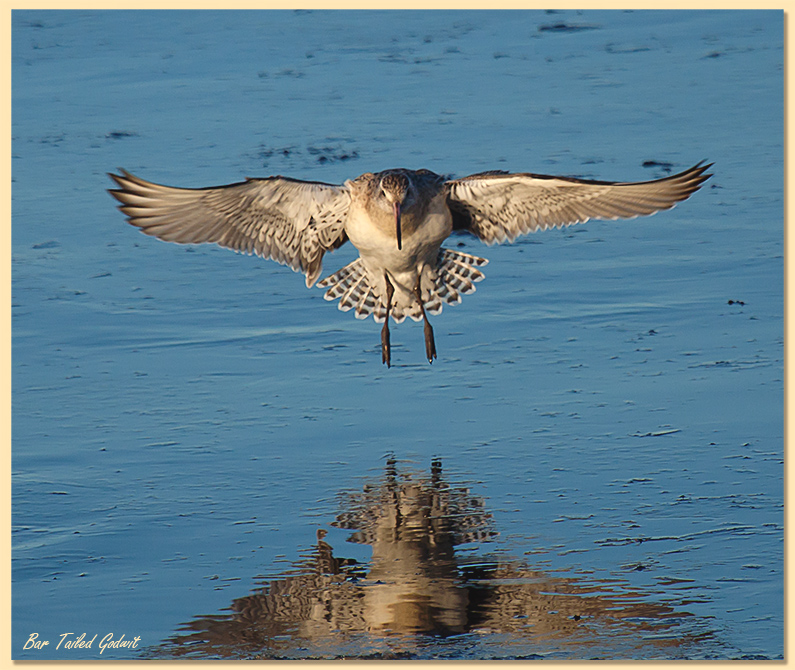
pixel 350 285
pixel 455 274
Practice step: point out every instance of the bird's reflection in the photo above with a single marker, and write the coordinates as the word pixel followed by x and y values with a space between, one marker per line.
pixel 413 526
pixel 415 589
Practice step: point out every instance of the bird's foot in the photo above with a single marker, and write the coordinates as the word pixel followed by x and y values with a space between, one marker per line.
pixel 386 350
pixel 430 344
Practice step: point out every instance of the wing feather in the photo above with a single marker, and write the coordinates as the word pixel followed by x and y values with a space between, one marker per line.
pixel 498 206
pixel 290 221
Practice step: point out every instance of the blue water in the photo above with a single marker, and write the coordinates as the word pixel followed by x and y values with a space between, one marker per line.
pixel 185 418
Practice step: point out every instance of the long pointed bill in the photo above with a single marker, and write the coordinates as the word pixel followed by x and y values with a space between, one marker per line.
pixel 396 208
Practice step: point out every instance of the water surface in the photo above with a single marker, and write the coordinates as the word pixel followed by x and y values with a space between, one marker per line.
pixel 186 419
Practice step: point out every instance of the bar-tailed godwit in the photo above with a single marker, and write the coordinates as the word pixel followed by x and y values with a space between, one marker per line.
pixel 397 219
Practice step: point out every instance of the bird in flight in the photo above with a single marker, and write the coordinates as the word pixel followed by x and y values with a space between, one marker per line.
pixel 397 220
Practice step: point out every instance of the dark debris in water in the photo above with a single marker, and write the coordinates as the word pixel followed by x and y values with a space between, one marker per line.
pixel 326 153
pixel 332 154
pixel 285 152
pixel 120 134
pixel 287 72
pixel 392 58
pixel 658 433
pixel 665 166
pixel 733 364
pixel 562 27
pixel 53 139
pixel 612 48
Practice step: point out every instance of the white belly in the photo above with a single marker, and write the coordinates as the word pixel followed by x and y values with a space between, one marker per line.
pixel 418 255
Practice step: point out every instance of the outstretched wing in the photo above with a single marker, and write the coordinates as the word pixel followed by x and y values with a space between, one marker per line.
pixel 498 207
pixel 292 222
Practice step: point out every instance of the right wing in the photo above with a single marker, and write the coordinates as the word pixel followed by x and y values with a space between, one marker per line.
pixel 289 221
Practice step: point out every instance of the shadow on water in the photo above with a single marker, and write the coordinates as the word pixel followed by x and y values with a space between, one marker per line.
pixel 418 597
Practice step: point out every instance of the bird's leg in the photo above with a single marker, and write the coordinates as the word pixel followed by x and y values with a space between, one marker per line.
pixel 385 348
pixel 430 345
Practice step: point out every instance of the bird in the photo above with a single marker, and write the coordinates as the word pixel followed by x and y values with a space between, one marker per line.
pixel 397 219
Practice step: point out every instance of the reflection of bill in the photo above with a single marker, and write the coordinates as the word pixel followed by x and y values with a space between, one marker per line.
pixel 415 584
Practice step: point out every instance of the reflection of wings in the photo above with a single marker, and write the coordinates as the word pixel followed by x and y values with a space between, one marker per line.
pixel 563 608
pixel 292 222
pixel 311 614
pixel 316 599
pixel 498 207
pixel 327 607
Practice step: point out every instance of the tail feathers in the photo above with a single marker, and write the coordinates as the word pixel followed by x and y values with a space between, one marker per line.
pixel 366 304
pixel 455 274
pixel 351 287
pixel 341 280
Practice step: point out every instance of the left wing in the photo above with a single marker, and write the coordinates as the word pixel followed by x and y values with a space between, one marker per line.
pixel 498 207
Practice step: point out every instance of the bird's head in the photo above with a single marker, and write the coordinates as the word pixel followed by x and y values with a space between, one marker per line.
pixel 396 188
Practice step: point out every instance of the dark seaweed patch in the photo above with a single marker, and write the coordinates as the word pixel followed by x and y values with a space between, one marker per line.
pixel 616 49
pixel 120 134
pixel 332 154
pixel 329 153
pixel 665 166
pixel 566 27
